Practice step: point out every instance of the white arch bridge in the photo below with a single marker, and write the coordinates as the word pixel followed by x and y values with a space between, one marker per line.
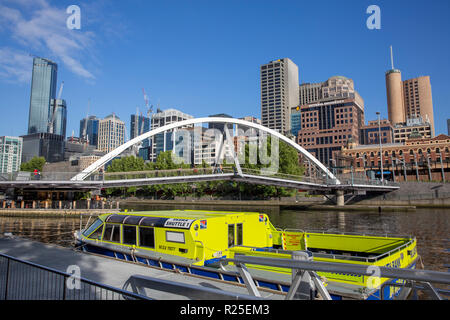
pixel 317 178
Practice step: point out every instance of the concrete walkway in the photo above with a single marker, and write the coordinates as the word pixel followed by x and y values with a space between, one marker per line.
pixel 107 270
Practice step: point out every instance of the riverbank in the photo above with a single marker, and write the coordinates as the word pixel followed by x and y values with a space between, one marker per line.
pixel 286 204
pixel 50 213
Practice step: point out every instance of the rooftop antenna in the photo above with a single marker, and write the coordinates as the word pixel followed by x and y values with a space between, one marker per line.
pixel 392 59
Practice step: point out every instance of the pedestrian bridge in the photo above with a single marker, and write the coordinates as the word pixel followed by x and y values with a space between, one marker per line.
pixel 318 178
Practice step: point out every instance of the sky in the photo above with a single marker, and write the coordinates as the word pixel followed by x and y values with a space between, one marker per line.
pixel 203 57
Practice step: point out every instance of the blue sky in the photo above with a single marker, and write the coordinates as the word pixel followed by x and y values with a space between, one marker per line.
pixel 203 57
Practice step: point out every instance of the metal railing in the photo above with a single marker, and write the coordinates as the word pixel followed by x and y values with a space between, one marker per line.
pixel 23 280
pixel 304 273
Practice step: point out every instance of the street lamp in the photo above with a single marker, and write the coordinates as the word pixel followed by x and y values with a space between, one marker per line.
pixel 381 147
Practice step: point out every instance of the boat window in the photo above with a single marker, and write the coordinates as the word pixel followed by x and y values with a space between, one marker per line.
pixel 146 237
pixel 172 236
pixel 97 234
pixel 112 233
pixel 239 234
pixel 129 235
pixel 92 227
pixel 230 235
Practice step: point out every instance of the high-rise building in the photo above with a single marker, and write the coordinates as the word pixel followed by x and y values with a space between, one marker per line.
pixel 43 89
pixel 337 87
pixel 160 142
pixel 328 125
pixel 47 145
pixel 111 133
pixel 89 130
pixel 448 127
pixel 279 94
pixel 370 133
pixel 409 98
pixel 58 120
pixel 10 154
pixel 418 99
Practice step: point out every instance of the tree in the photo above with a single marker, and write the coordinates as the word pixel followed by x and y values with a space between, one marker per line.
pixel 37 163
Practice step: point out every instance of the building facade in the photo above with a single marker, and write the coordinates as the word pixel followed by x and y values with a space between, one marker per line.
pixel 43 90
pixel 279 94
pixel 327 126
pixel 337 87
pixel 111 133
pixel 413 128
pixel 370 133
pixel 47 145
pixel 409 99
pixel 89 130
pixel 423 159
pixel 160 142
pixel 58 121
pixel 10 154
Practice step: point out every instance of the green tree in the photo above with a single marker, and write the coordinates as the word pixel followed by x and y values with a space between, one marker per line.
pixel 33 164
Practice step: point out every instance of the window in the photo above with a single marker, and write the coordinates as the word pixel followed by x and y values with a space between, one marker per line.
pixel 230 235
pixel 112 232
pixel 172 236
pixel 239 234
pixel 92 227
pixel 97 234
pixel 129 235
pixel 146 237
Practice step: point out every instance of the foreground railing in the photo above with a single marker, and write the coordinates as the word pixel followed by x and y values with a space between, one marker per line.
pixel 23 280
pixel 306 280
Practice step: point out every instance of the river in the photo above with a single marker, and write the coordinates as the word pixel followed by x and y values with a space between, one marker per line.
pixel 429 226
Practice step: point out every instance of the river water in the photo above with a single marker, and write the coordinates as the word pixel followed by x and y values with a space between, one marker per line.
pixel 429 226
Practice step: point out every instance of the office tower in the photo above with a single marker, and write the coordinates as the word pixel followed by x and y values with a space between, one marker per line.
pixel 10 154
pixel 337 87
pixel 279 94
pixel 448 127
pixel 58 120
pixel 159 142
pixel 418 99
pixel 47 145
pixel 111 133
pixel 413 128
pixel 139 125
pixel 329 125
pixel 219 126
pixel 43 89
pixel 89 130
pixel 408 99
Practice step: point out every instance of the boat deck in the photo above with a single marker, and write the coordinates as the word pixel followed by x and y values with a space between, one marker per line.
pixel 108 270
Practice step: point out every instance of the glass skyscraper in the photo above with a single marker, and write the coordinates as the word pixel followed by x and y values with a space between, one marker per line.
pixel 43 89
pixel 89 130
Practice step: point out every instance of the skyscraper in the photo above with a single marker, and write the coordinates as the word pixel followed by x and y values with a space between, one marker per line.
pixel 408 99
pixel 58 121
pixel 139 124
pixel 43 89
pixel 279 93
pixel 111 133
pixel 89 130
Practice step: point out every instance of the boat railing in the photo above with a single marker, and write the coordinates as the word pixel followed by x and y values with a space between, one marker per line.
pixel 305 270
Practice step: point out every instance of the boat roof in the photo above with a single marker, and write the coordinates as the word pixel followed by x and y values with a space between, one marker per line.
pixel 184 214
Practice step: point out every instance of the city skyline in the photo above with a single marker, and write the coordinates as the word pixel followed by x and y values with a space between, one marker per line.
pixel 196 79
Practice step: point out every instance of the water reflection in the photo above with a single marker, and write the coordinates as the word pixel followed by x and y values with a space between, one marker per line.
pixel 429 226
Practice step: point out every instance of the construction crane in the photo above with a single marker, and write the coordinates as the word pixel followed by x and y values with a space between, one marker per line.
pixel 51 123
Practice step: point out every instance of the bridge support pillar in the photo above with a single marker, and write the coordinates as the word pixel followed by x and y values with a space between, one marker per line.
pixel 340 200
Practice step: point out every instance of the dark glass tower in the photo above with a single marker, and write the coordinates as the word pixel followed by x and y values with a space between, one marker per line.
pixel 43 90
pixel 89 130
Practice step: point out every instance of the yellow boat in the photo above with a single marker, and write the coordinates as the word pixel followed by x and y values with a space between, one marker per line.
pixel 195 242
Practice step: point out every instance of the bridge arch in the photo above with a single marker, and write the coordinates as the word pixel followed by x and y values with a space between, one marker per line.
pixel 103 160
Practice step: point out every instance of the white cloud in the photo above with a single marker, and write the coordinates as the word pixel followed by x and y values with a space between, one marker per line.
pixel 42 32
